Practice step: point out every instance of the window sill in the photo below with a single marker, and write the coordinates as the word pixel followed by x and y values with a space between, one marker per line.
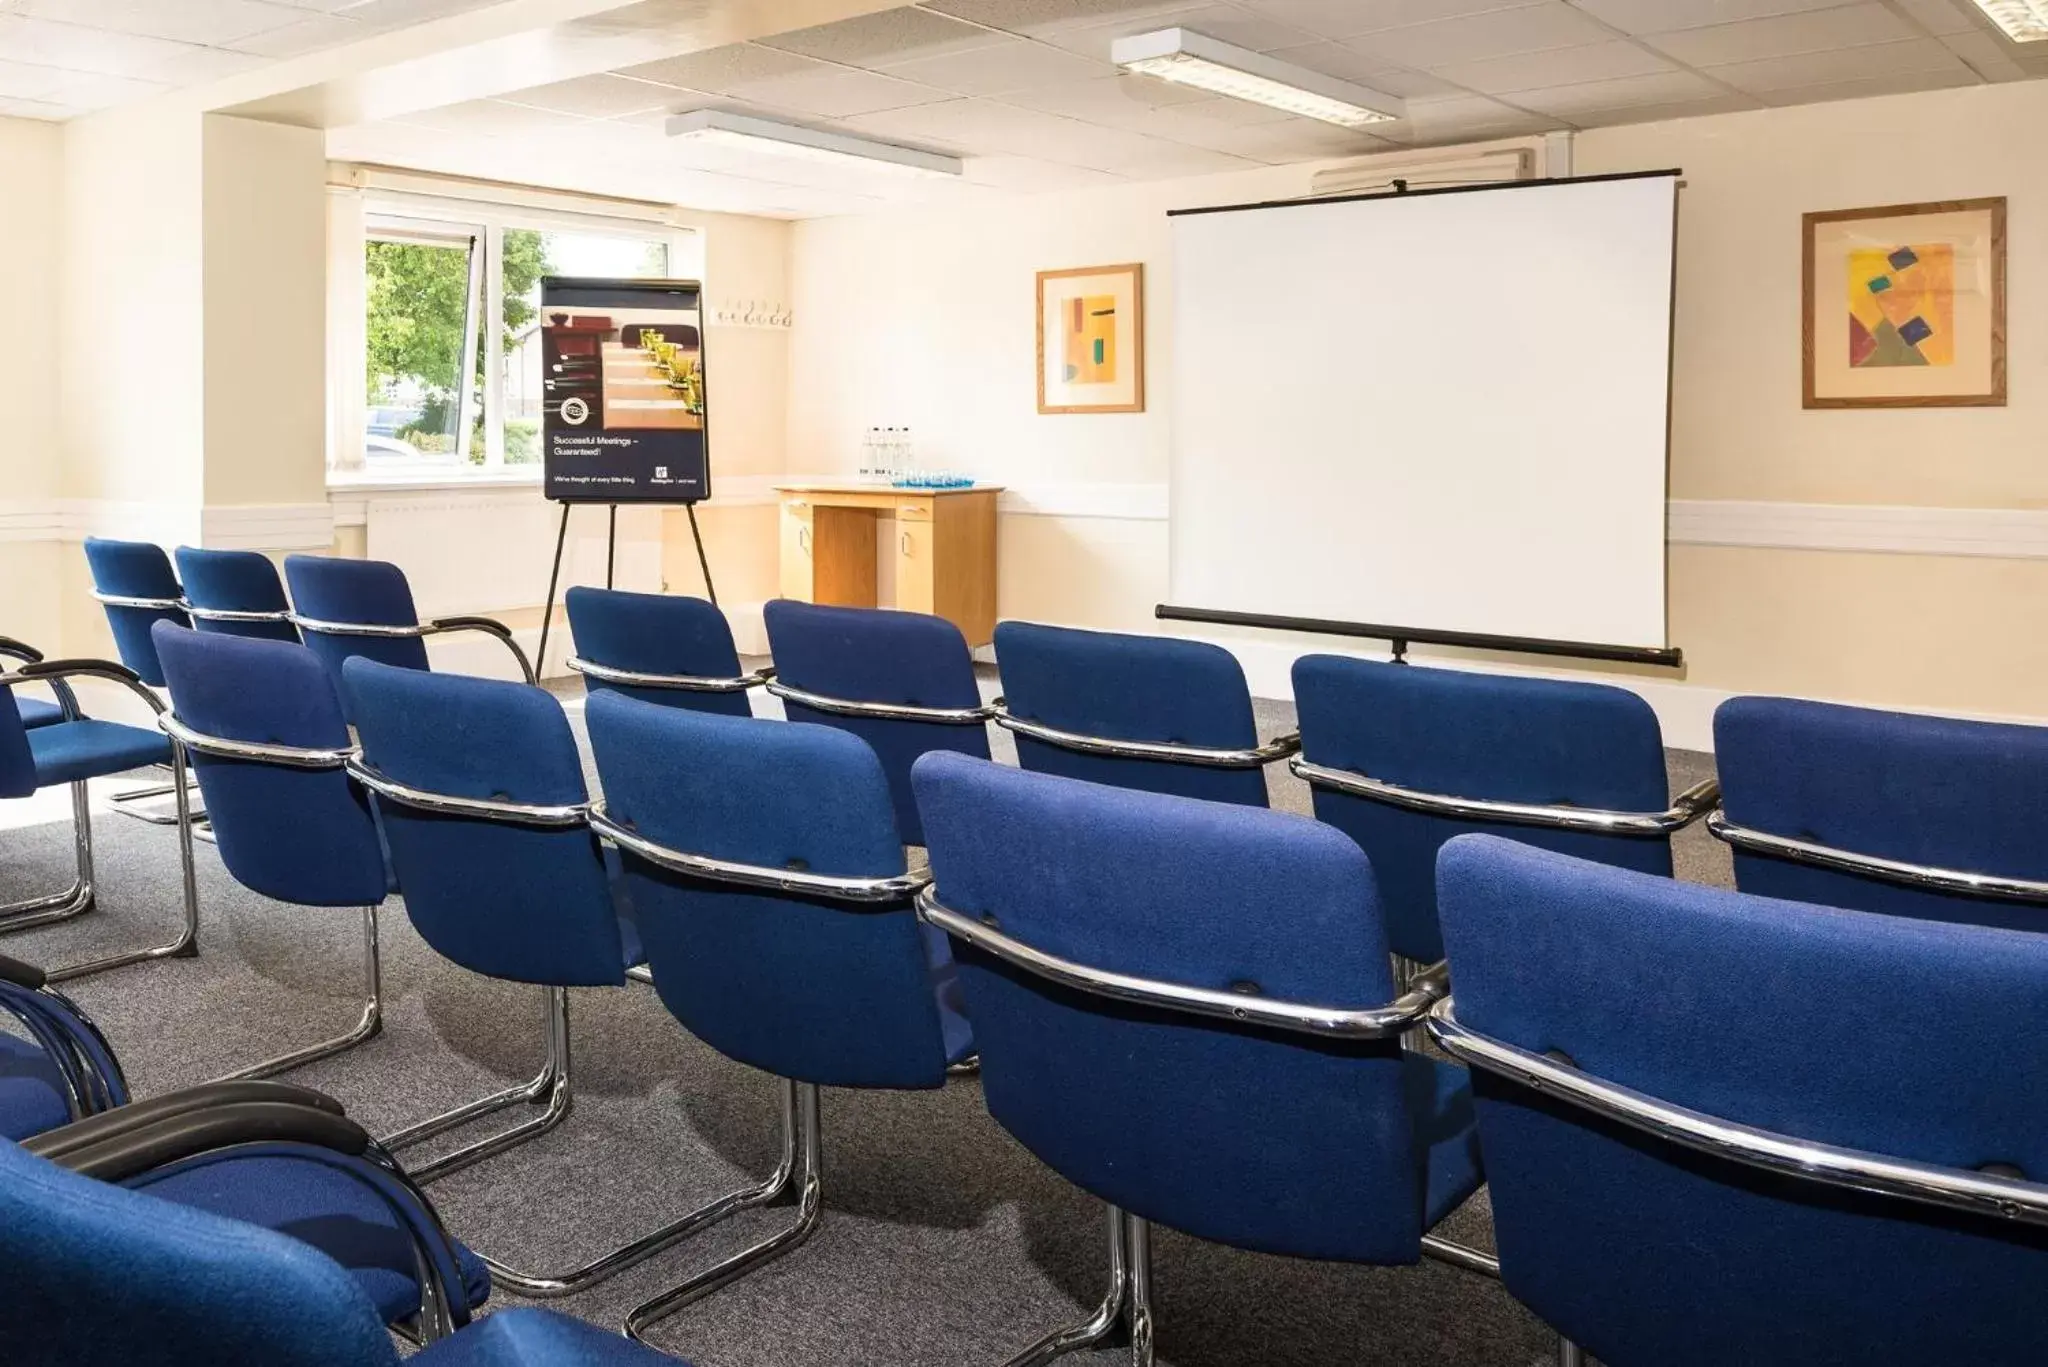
pixel 347 482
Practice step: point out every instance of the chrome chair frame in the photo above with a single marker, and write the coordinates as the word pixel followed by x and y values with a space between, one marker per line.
pixel 802 1162
pixel 237 614
pixel 154 790
pixel 42 911
pixel 87 1089
pixel 437 626
pixel 1128 1299
pixel 885 711
pixel 371 1022
pixel 552 1084
pixel 1688 807
pixel 1171 752
pixel 1829 1165
pixel 688 683
pixel 1926 877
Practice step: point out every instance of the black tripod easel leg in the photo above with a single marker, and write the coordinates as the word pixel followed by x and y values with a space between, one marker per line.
pixel 703 561
pixel 611 544
pixel 547 614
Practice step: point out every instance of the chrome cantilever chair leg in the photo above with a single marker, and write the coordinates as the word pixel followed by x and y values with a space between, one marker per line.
pixel 1569 1354
pixel 1107 1316
pixel 802 1162
pixel 366 1027
pixel 551 1085
pixel 123 803
pixel 187 943
pixel 75 900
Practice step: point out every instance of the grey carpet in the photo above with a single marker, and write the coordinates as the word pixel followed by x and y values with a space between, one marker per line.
pixel 943 1243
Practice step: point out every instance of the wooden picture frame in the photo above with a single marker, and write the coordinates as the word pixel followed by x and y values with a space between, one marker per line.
pixel 1091 365
pixel 1863 342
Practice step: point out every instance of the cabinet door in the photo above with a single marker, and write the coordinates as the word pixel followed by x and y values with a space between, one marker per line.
pixel 914 565
pixel 796 550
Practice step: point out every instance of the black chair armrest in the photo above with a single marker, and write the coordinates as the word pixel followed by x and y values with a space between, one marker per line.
pixel 21 974
pixel 140 1116
pixel 490 624
pixel 137 1148
pixel 38 669
pixel 19 650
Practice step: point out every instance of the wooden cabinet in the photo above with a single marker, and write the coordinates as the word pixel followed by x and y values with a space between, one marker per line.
pixel 943 549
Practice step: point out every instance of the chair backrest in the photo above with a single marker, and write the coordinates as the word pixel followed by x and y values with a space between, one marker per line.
pixel 657 633
pixel 800 986
pixel 299 834
pixel 1131 688
pixel 1245 1135
pixel 235 582
pixel 17 761
pixel 99 1276
pixel 1887 1035
pixel 880 656
pixel 139 571
pixel 1940 792
pixel 526 900
pixel 332 588
pixel 1462 734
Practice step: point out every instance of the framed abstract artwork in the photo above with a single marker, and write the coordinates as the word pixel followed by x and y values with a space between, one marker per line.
pixel 1091 339
pixel 1905 306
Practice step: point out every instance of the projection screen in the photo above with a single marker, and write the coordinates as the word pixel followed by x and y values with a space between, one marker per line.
pixel 1443 410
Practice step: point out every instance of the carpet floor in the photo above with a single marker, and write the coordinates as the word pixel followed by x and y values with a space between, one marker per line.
pixel 943 1242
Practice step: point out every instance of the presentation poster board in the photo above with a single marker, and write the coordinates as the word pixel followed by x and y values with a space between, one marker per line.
pixel 623 412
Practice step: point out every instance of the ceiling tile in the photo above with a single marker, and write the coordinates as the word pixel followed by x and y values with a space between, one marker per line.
pixel 1940 17
pixel 719 69
pixel 1559 66
pixel 491 119
pixel 1898 84
pixel 1461 116
pixel 1013 64
pixel 1989 56
pixel 35 109
pixel 41 43
pixel 602 96
pixel 1226 23
pixel 1028 175
pixel 1346 18
pixel 981 127
pixel 1349 64
pixel 836 92
pixel 202 64
pixel 1116 101
pixel 21 81
pixel 310 34
pixel 1668 16
pixel 1918 55
pixel 1532 28
pixel 1049 16
pixel 1280 144
pixel 90 90
pixel 1732 103
pixel 1755 39
pixel 896 35
pixel 189 21
pixel 1668 87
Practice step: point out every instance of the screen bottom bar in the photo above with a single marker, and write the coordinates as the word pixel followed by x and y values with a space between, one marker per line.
pixel 1403 637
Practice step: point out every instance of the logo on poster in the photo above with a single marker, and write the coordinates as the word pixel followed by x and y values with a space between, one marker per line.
pixel 575 411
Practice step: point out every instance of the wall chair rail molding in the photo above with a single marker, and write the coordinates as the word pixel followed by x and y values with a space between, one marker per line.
pixel 2007 533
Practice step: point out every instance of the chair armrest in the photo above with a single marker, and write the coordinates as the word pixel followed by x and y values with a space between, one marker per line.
pixel 107 669
pixel 19 650
pixel 131 1140
pixel 490 626
pixel 21 974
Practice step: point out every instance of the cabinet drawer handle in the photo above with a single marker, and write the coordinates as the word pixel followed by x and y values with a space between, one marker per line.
pixel 914 509
pixel 906 543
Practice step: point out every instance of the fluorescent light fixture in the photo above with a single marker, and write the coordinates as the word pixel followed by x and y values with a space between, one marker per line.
pixel 1189 58
pixel 2024 21
pixel 746 133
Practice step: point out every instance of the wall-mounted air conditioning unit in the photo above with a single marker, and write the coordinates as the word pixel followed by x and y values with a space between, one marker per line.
pixel 1523 159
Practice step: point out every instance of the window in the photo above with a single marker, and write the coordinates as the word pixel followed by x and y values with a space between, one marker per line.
pixel 453 368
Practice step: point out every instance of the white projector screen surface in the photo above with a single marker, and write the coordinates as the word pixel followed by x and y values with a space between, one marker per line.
pixel 1445 412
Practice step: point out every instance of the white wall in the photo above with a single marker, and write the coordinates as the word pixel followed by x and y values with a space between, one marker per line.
pixel 926 318
pixel 30 244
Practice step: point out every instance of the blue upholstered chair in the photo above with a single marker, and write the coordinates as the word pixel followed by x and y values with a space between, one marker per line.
pixel 901 681
pixel 1885 811
pixel 768 876
pixel 1726 1129
pixel 1147 712
pixel 34 711
pixel 59 1068
pixel 241 1223
pixel 481 792
pixel 1403 757
pixel 71 751
pixel 136 587
pixel 344 608
pixel 1187 1009
pixel 134 582
pixel 235 592
pixel 660 647
pixel 268 744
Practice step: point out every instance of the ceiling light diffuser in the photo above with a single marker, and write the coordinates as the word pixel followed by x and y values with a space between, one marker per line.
pixel 1195 59
pixel 2024 21
pixel 745 132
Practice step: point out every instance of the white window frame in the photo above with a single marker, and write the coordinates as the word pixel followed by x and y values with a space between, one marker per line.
pixel 453 217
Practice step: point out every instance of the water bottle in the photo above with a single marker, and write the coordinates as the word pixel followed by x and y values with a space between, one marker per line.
pixel 870 456
pixel 908 468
